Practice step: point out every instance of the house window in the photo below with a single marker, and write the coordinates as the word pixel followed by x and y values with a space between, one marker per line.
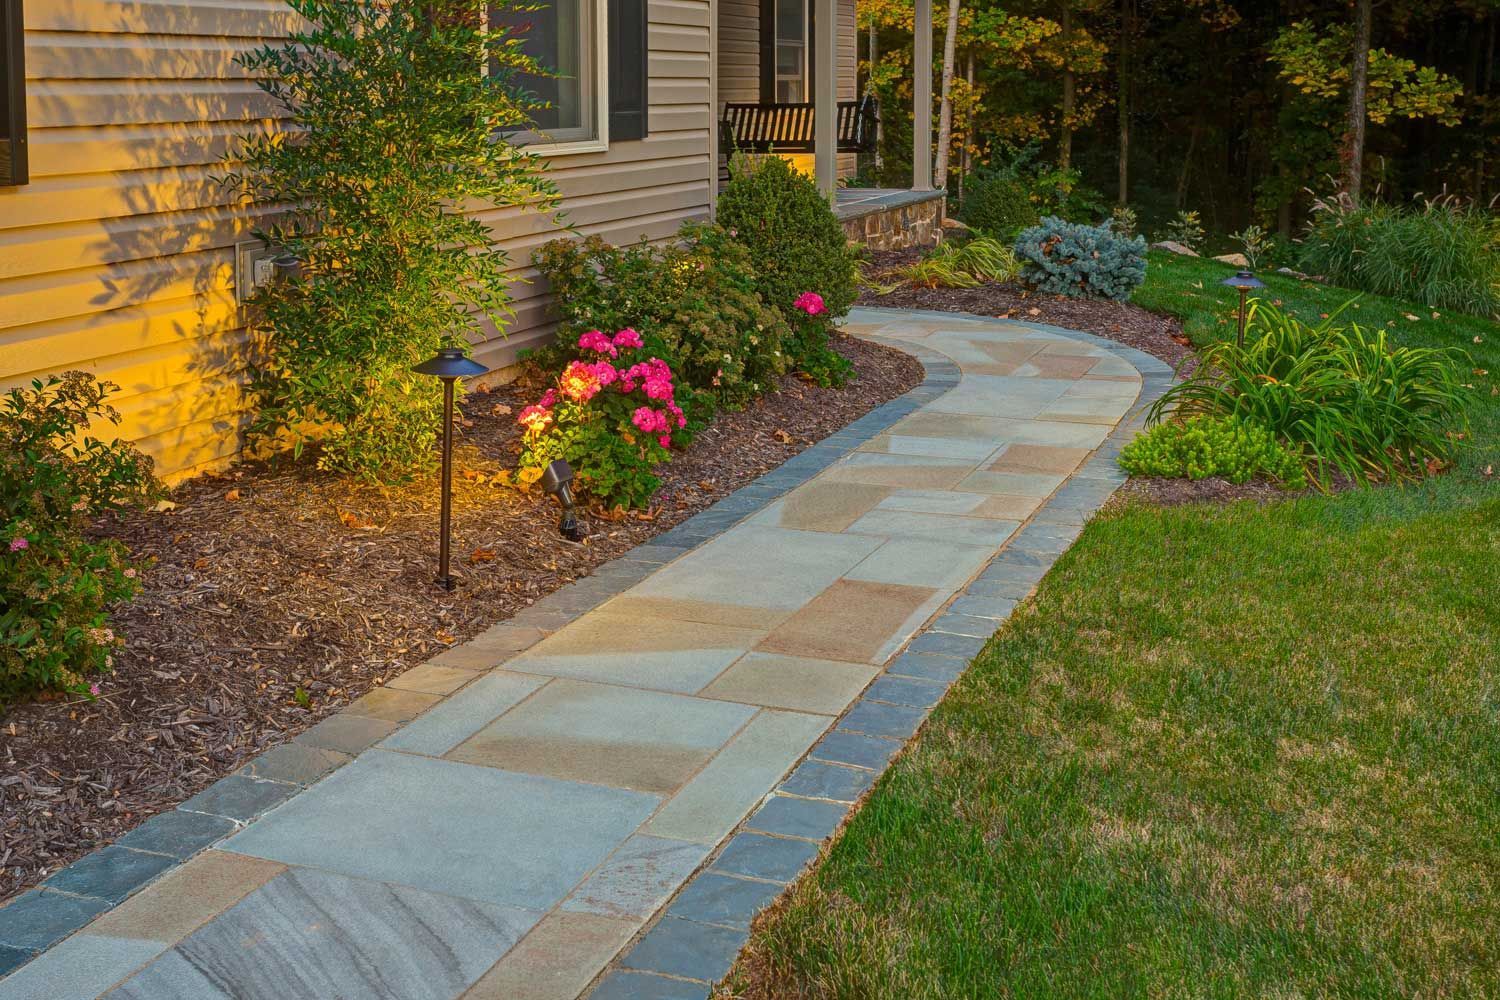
pixel 13 168
pixel 791 48
pixel 564 36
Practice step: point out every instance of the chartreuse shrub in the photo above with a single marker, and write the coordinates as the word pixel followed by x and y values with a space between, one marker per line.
pixel 1087 262
pixel 1443 254
pixel 1204 446
pixel 1346 398
pixel 695 303
pixel 612 418
pixel 396 131
pixel 960 265
pixel 56 581
pixel 797 248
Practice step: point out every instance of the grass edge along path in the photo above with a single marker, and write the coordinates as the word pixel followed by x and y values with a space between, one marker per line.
pixel 1224 751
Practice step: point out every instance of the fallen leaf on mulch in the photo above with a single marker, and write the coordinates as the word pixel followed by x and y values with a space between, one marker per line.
pixel 482 556
pixel 781 436
pixel 232 495
pixel 500 410
pixel 351 520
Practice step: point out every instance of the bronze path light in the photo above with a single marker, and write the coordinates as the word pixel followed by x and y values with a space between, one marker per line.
pixel 450 365
pixel 1244 282
pixel 555 482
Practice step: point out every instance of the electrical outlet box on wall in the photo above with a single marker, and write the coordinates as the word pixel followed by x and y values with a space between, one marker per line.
pixel 254 268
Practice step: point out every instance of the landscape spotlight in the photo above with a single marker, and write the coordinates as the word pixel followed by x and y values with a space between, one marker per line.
pixel 450 365
pixel 1244 281
pixel 555 482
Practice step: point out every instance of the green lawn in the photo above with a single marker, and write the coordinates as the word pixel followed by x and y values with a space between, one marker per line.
pixel 1224 752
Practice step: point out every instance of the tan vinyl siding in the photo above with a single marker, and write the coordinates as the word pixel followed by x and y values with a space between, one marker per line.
pixel 119 256
pixel 739 58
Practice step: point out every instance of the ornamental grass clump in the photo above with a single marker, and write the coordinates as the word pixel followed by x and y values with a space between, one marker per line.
pixel 955 265
pixel 1348 400
pixel 613 419
pixel 395 130
pixel 1079 261
pixel 57 580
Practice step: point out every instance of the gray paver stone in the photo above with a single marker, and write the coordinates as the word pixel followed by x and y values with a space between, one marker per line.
pixel 817 780
pixel 793 817
pixel 37 918
pixel 775 859
pixel 177 833
pixel 110 874
pixel 688 949
pixel 719 899
pixel 240 798
pixel 876 718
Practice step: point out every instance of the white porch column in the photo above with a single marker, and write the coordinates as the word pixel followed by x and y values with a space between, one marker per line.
pixel 921 119
pixel 826 93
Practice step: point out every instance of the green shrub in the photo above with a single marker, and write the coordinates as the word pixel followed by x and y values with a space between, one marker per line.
pixel 959 265
pixel 695 302
pixel 1124 221
pixel 998 205
pixel 1203 446
pixel 394 132
pixel 1187 229
pixel 797 248
pixel 1444 255
pixel 56 580
pixel 1347 399
pixel 1089 262
pixel 612 418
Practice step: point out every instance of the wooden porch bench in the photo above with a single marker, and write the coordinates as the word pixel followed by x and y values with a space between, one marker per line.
pixel 788 128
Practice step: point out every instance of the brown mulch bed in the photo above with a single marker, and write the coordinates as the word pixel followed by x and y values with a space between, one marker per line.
pixel 1160 336
pixel 267 581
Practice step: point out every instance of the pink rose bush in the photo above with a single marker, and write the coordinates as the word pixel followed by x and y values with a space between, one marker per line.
pixel 611 415
pixel 810 303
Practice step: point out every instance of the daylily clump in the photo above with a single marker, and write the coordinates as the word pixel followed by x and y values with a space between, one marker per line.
pixel 612 418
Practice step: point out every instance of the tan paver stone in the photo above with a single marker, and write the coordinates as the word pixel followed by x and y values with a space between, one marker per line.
pixel 914 473
pixel 1008 352
pixel 1021 484
pixel 1057 366
pixel 663 654
pixel 187 898
pixel 1007 508
pixel 392 705
pixel 557 960
pixel 648 741
pixel 851 620
pixel 736 780
pixel 429 678
pixel 1055 432
pixel 1038 458
pixel 820 506
pixel 806 685
pixel 955 425
pixel 685 609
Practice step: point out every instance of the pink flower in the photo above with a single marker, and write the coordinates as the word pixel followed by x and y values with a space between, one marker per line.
pixel 810 303
pixel 658 388
pixel 596 341
pixel 628 338
pixel 605 372
pixel 94 690
pixel 579 382
pixel 647 419
pixel 18 544
pixel 535 418
pixel 130 574
pixel 665 440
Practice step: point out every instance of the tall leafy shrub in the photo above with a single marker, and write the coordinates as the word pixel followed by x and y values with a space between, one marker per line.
pixel 56 580
pixel 1443 254
pixel 395 129
pixel 797 247
pixel 1345 397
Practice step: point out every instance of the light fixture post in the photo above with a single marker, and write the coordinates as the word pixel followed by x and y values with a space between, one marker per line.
pixel 1243 282
pixel 450 364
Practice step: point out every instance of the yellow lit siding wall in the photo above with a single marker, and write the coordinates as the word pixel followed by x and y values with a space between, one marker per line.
pixel 118 258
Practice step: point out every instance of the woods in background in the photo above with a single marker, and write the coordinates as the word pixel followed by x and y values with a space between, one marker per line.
pixel 1242 110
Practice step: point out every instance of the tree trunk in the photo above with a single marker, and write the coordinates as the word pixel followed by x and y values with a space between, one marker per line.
pixel 963 167
pixel 1127 29
pixel 869 87
pixel 1359 84
pixel 945 105
pixel 1069 87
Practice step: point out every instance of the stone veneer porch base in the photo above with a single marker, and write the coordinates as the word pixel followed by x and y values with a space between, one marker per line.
pixel 890 219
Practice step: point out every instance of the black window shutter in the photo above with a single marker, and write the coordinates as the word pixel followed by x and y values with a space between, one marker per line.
pixel 627 69
pixel 13 161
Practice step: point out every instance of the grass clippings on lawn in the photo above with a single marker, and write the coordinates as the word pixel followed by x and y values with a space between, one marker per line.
pixel 268 581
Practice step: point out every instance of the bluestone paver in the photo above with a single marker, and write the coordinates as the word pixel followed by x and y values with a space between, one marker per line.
pixel 775 859
pixel 820 780
pixel 687 949
pixel 787 816
pixel 727 901
pixel 178 833
pixel 110 874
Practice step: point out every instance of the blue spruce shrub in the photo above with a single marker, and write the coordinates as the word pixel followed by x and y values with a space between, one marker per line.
pixel 1084 262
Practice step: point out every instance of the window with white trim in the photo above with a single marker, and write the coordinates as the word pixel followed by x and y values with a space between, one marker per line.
pixel 791 51
pixel 564 37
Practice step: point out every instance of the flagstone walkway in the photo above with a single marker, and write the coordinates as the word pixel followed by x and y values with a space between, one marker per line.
pixel 518 816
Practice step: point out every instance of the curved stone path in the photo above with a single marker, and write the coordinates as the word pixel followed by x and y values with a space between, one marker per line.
pixel 567 795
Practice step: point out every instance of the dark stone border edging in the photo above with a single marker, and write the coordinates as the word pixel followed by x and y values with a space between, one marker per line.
pixel 699 934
